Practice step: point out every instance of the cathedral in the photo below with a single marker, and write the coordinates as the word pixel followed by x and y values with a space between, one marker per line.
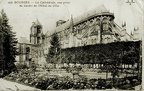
pixel 94 27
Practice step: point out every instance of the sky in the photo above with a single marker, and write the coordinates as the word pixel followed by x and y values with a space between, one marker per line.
pixel 21 18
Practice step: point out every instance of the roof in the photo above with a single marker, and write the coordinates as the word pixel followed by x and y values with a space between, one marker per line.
pixel 23 40
pixel 100 10
pixel 38 23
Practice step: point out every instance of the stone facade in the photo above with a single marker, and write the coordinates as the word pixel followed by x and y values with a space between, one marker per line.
pixel 94 27
pixel 24 49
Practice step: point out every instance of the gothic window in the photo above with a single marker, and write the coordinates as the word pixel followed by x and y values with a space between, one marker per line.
pixel 38 31
pixel 91 21
pixel 92 41
pixel 38 40
pixel 82 43
pixel 98 22
pixel 94 22
pixel 27 49
pixel 34 31
pixel 105 24
pixel 95 40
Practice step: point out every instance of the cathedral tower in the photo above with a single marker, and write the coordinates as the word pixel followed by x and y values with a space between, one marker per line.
pixel 36 33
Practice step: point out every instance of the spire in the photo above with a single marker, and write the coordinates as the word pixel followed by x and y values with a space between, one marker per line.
pixel 134 28
pixel 131 33
pixel 71 24
pixel 38 23
pixel 33 24
pixel 113 13
pixel 124 23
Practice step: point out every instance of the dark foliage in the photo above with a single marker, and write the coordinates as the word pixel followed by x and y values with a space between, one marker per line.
pixel 9 45
pixel 111 53
pixel 54 50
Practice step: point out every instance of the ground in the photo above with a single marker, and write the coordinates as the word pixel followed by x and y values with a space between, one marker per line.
pixel 8 85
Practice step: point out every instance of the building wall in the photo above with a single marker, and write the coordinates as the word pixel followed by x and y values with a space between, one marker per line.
pixel 87 33
pixel 24 55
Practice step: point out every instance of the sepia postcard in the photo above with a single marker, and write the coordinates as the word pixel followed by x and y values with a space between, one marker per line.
pixel 71 44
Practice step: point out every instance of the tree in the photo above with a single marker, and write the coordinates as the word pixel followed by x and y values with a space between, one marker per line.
pixel 54 50
pixel 9 44
pixel 1 48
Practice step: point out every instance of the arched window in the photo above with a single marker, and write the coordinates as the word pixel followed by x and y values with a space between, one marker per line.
pixel 91 22
pixel 108 39
pixel 35 30
pixel 98 22
pixel 105 24
pixel 95 40
pixel 92 41
pixel 27 49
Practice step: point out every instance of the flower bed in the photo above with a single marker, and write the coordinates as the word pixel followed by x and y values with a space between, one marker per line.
pixel 47 82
